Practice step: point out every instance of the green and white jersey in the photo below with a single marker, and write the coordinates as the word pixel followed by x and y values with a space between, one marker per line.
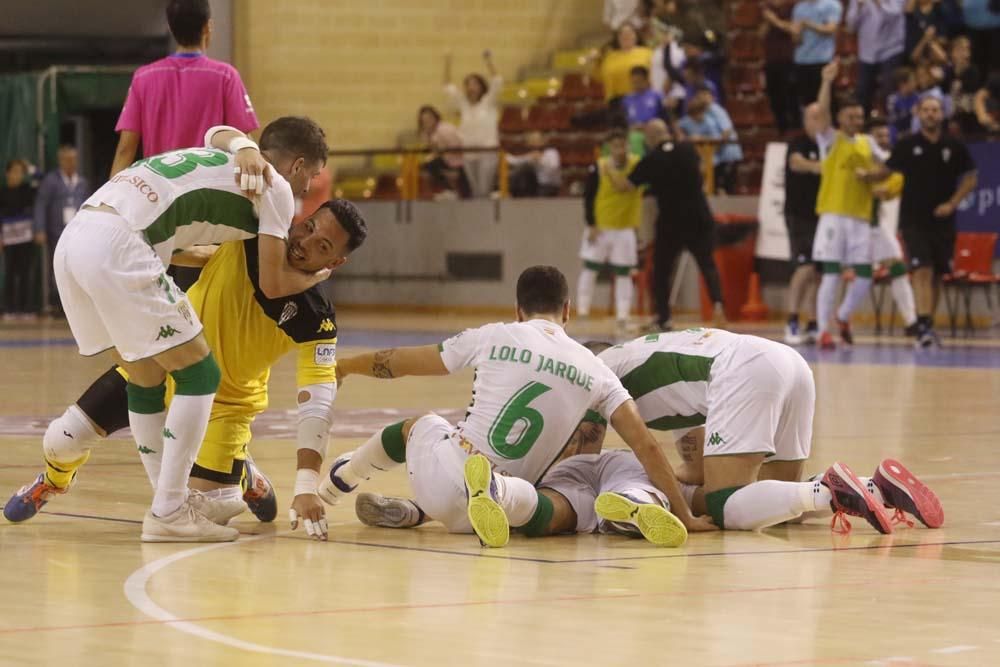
pixel 189 197
pixel 533 386
pixel 668 374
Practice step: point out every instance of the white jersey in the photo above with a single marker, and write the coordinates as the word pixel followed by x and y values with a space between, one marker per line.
pixel 668 374
pixel 533 386
pixel 189 197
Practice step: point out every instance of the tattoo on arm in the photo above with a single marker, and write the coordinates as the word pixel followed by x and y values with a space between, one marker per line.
pixel 380 366
pixel 688 446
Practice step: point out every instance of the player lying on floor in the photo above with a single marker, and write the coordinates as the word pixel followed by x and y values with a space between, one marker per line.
pixel 533 385
pixel 756 399
pixel 248 333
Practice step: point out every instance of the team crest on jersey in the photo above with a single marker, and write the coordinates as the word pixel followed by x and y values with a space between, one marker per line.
pixel 185 312
pixel 288 312
pixel 326 354
pixel 917 150
pixel 945 154
pixel 325 326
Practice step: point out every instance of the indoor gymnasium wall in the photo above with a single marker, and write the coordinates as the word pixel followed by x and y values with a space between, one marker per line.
pixel 362 68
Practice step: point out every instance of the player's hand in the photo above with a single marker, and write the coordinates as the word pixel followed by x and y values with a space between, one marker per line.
pixel 830 70
pixel 698 524
pixel 593 234
pixel 322 275
pixel 880 192
pixel 308 508
pixel 252 172
pixel 944 210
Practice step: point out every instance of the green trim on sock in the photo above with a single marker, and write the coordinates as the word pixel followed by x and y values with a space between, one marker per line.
pixel 621 270
pixel 146 400
pixel 538 524
pixel 593 266
pixel 716 503
pixel 831 267
pixel 393 443
pixel 897 269
pixel 199 379
pixel 863 270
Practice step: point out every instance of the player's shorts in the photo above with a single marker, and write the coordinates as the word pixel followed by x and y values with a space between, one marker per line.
pixel 931 244
pixel 615 247
pixel 885 246
pixel 581 478
pixel 843 240
pixel 801 236
pixel 761 399
pixel 223 452
pixel 116 292
pixel 435 461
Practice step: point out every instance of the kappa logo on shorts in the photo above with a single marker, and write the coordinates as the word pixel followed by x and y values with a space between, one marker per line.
pixel 168 435
pixel 325 325
pixel 143 449
pixel 288 312
pixel 716 439
pixel 167 331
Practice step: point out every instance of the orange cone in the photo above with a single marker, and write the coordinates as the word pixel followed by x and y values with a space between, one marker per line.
pixel 755 309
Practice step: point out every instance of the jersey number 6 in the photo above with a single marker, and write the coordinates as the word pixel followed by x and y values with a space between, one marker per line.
pixel 517 414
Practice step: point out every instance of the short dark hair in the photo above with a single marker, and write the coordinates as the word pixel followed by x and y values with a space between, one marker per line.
pixel 187 20
pixel 16 162
pixel 641 70
pixel 615 135
pixel 295 135
pixel 597 346
pixel 542 289
pixel 350 218
pixel 877 122
pixel 847 100
pixel 901 75
pixel 704 88
pixel 427 108
pixel 483 83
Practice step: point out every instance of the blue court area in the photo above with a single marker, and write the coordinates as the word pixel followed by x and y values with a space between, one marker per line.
pixel 954 353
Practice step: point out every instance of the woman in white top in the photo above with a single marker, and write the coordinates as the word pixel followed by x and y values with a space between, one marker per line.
pixel 477 104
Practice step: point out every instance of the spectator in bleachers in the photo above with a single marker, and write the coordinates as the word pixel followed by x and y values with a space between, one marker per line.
pixel 695 79
pixel 815 23
pixel 928 86
pixel 445 167
pixel 987 104
pixel 17 200
pixel 982 17
pixel 776 31
pixel 707 120
pixel 478 127
pixel 622 12
pixel 61 193
pixel 615 70
pixel 900 104
pixel 643 104
pixel 665 71
pixel 537 173
pixel 881 30
pixel 926 20
pixel 961 81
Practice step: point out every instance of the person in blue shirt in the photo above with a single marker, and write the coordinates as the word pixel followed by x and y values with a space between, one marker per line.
pixel 815 25
pixel 982 17
pixel 900 104
pixel 643 104
pixel 707 120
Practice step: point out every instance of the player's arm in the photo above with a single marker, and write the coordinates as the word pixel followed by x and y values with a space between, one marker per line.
pixel 589 197
pixel 395 363
pixel 277 278
pixel 315 403
pixel 629 425
pixel 828 74
pixel 800 164
pixel 965 186
pixel 251 171
pixel 890 188
pixel 128 147
pixel 194 257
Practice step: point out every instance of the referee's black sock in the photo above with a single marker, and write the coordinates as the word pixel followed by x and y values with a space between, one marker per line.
pixel 923 323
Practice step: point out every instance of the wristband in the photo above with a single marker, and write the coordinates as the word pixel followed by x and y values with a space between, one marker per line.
pixel 306 481
pixel 239 143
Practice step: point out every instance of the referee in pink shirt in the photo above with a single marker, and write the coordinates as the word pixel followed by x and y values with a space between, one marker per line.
pixel 172 102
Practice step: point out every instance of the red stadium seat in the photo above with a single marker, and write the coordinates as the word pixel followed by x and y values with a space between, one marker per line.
pixel 973 268
pixel 513 119
pixel 746 47
pixel 746 14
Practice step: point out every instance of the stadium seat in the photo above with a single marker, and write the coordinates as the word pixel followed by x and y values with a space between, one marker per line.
pixel 745 46
pixel 973 268
pixel 513 120
pixel 746 14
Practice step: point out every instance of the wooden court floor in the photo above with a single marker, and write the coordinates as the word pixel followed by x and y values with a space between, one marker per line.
pixel 80 589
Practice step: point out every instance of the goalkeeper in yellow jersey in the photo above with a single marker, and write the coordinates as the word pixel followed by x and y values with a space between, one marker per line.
pixel 248 333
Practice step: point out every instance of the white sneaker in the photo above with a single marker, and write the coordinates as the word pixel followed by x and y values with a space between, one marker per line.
pixel 185 525
pixel 332 486
pixel 792 335
pixel 217 510
pixel 374 509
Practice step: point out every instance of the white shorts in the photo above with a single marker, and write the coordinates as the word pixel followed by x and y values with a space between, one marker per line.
pixel 617 247
pixel 581 478
pixel 885 246
pixel 435 462
pixel 116 292
pixel 842 239
pixel 761 399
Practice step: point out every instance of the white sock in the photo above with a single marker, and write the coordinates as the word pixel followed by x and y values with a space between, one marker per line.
pixel 902 294
pixel 368 459
pixel 825 297
pixel 147 431
pixel 68 436
pixel 771 502
pixel 623 297
pixel 224 493
pixel 585 291
pixel 183 433
pixel 856 294
pixel 518 497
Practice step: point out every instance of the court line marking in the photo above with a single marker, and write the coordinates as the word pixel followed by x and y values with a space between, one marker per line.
pixel 135 591
pixel 961 648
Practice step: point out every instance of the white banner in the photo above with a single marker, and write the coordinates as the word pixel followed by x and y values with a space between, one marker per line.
pixel 772 236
